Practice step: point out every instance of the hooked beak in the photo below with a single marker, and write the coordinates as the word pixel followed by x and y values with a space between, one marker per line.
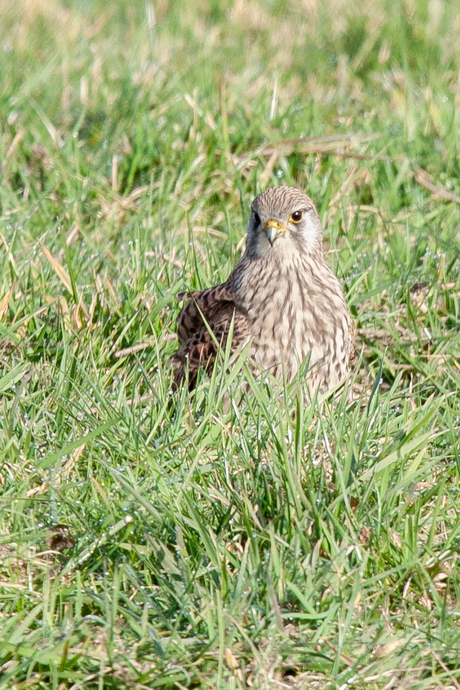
pixel 273 230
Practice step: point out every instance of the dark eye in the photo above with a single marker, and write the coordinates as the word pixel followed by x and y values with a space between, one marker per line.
pixel 256 218
pixel 296 217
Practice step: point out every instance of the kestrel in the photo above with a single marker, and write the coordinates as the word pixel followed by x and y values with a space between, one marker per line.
pixel 282 297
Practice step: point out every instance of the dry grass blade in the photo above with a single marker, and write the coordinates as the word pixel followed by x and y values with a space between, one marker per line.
pixel 314 144
pixel 11 149
pixel 125 352
pixel 5 301
pixel 438 190
pixel 58 268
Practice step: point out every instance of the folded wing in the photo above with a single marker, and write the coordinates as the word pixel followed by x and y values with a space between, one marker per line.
pixel 208 310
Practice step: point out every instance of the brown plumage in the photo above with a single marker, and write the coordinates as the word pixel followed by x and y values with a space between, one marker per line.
pixel 282 296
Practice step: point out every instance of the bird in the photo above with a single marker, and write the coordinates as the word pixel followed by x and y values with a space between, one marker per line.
pixel 282 300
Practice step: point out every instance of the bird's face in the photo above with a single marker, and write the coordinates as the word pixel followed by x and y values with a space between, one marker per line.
pixel 283 220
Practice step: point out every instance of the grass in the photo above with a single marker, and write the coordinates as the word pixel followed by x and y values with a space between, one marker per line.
pixel 155 543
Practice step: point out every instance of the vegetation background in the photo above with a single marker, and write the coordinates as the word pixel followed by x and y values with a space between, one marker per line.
pixel 147 542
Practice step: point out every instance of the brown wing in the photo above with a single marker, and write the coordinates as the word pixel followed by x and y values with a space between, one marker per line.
pixel 197 347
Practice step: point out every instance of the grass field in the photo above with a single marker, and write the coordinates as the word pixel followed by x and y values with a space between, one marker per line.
pixel 150 542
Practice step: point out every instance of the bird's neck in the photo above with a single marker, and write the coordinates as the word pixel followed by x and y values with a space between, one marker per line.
pixel 283 259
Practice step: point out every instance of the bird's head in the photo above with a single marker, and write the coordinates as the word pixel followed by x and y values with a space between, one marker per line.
pixel 283 220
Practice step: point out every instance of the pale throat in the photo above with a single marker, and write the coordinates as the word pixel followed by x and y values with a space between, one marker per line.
pixel 284 253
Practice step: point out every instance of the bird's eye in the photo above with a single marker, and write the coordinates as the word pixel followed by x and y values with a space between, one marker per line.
pixel 256 218
pixel 296 217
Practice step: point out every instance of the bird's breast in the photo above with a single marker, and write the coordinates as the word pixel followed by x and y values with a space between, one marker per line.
pixel 297 314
